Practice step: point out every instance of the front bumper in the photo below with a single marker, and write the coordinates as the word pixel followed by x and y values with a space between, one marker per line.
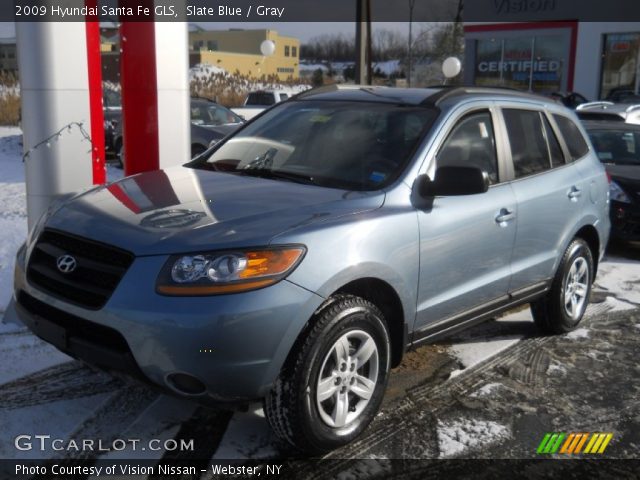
pixel 625 221
pixel 235 345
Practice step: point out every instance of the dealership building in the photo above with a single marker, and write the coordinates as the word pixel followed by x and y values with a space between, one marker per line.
pixel 554 54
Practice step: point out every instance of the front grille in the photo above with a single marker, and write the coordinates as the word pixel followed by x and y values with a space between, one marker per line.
pixel 75 326
pixel 99 268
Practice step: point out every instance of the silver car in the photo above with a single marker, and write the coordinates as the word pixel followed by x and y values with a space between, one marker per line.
pixel 297 260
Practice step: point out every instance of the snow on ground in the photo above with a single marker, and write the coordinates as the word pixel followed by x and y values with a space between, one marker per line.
pixel 456 436
pixel 557 368
pixel 472 348
pixel 204 70
pixel 579 333
pixel 620 276
pixel 13 213
pixel 487 390
pixel 388 68
pixel 58 419
pixel 23 354
pixel 247 436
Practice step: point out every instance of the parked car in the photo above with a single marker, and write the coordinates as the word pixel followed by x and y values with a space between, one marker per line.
pixel 210 122
pixel 297 260
pixel 618 147
pixel 603 110
pixel 256 102
pixel 623 95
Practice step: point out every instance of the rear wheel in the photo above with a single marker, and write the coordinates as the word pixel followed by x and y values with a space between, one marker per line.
pixel 332 385
pixel 562 309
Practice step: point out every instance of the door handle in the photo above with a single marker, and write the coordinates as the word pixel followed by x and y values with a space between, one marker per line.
pixel 505 215
pixel 574 193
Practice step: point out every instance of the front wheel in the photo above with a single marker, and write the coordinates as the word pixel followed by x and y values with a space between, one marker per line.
pixel 332 385
pixel 563 307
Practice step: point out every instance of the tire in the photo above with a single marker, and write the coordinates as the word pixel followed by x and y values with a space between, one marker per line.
pixel 295 409
pixel 557 313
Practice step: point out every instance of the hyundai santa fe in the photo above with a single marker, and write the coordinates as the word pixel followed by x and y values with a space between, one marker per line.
pixel 296 261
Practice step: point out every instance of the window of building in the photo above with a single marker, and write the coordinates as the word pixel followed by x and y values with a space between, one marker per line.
pixel 535 63
pixel 294 51
pixel 529 149
pixel 619 76
pixel 286 51
pixel 471 144
pixel 576 144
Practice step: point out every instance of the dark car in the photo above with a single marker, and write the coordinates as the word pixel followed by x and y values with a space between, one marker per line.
pixel 569 99
pixel 623 95
pixel 210 123
pixel 618 147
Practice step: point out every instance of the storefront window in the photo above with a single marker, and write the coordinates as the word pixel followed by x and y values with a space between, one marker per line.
pixel 619 76
pixel 524 62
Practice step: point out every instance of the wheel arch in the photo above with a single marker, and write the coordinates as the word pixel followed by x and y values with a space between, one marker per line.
pixel 589 234
pixel 383 296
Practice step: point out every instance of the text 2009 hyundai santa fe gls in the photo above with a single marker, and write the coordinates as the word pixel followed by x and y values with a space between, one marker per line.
pixel 298 259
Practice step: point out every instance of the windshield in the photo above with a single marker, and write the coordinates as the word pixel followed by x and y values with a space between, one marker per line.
pixel 260 98
pixel 210 114
pixel 620 147
pixel 347 145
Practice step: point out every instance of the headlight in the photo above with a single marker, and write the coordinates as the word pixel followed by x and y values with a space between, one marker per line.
pixel 616 193
pixel 227 272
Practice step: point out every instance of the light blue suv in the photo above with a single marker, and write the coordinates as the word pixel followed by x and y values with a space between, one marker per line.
pixel 296 261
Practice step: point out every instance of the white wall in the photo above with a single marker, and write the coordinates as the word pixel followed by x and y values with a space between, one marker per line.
pixel 588 55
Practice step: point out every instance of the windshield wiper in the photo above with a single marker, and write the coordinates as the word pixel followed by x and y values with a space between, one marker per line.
pixel 278 174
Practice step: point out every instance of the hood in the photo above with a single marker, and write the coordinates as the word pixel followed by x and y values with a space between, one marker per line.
pixel 183 210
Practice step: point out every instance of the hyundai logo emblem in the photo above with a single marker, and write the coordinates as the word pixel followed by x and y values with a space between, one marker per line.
pixel 66 263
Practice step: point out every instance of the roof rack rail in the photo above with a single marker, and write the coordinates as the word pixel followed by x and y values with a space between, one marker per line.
pixel 598 103
pixel 336 87
pixel 445 93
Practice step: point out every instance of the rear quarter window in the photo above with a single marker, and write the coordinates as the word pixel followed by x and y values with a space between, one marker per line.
pixel 576 143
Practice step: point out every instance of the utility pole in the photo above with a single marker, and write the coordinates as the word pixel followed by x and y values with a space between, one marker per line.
pixel 412 4
pixel 363 42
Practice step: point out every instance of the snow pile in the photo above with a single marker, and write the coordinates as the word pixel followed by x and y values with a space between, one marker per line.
pixel 204 70
pixel 13 208
pixel 578 334
pixel 556 368
pixel 6 90
pixel 486 390
pixel 312 67
pixel 388 68
pixel 457 436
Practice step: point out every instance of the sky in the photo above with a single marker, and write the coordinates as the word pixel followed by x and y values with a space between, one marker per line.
pixel 302 30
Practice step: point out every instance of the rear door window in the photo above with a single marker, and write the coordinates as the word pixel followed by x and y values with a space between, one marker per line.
pixel 576 143
pixel 529 148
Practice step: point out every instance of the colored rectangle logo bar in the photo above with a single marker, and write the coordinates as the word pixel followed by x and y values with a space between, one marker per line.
pixel 572 443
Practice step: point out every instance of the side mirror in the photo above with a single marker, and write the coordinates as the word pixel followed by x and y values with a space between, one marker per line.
pixel 450 181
